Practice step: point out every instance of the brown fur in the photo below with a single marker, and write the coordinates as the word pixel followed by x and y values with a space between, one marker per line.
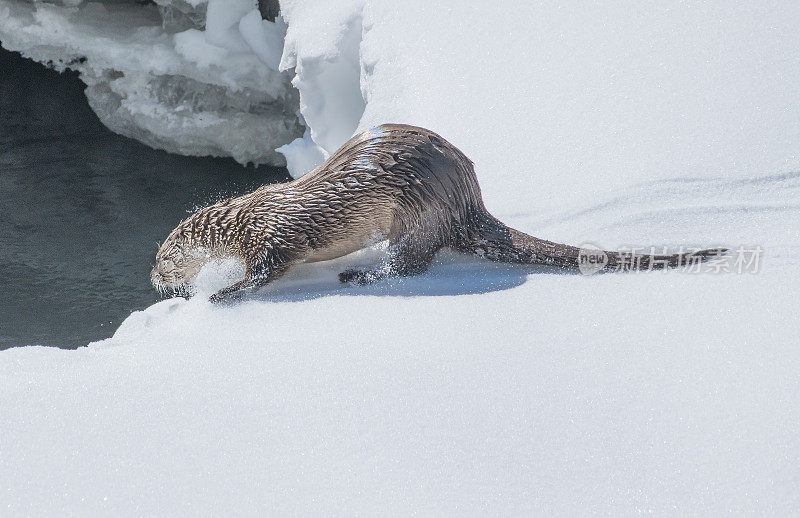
pixel 399 182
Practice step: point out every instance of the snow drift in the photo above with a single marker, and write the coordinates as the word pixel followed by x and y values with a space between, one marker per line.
pixel 478 388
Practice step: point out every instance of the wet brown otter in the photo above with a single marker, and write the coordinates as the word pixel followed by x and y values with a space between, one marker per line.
pixel 395 182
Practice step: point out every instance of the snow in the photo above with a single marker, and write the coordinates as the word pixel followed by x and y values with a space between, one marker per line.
pixel 302 155
pixel 263 37
pixel 323 50
pixel 399 402
pixel 222 21
pixel 478 388
pixel 566 104
pixel 196 92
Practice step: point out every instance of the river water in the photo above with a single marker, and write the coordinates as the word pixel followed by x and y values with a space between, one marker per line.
pixel 82 209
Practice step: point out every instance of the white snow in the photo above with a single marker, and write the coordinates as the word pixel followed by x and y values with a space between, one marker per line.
pixel 302 155
pixel 222 21
pixel 478 388
pixel 264 38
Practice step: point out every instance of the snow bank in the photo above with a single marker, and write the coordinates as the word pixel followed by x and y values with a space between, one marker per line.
pixel 559 394
pixel 215 91
pixel 477 388
pixel 588 99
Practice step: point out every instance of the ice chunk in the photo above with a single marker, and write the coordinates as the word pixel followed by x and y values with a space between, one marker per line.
pixel 210 119
pixel 180 15
pixel 195 92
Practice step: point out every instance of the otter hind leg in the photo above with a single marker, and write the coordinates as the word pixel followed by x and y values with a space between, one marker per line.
pixel 411 255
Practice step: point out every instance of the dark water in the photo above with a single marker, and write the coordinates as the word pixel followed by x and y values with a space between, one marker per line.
pixel 82 209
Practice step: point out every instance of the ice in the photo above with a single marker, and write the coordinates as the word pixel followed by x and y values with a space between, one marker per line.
pixel 196 92
pixel 180 15
pixel 477 388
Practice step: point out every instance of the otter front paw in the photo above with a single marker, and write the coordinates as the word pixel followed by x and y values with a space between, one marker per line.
pixel 354 276
pixel 230 293
pixel 220 297
pixel 363 277
pixel 360 277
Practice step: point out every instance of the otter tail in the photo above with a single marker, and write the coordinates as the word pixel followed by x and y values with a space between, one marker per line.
pixel 506 244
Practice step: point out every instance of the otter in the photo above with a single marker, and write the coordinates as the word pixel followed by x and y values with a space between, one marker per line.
pixel 397 182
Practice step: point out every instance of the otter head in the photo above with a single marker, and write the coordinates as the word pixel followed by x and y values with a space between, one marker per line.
pixel 178 260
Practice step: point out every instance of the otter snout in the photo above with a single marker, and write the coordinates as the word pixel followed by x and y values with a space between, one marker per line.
pixel 169 281
pixel 155 277
pixel 167 274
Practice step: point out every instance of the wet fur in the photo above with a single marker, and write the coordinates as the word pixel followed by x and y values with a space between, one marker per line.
pixel 403 183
